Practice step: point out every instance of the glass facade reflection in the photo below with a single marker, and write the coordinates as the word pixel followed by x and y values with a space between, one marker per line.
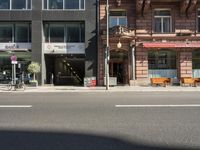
pixel 15 4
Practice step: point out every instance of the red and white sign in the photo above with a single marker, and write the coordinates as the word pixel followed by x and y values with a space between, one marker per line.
pixel 13 58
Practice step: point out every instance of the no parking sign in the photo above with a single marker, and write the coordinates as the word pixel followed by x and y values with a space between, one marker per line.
pixel 13 59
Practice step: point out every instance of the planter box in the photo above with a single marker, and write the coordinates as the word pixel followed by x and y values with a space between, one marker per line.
pixel 112 81
pixel 33 84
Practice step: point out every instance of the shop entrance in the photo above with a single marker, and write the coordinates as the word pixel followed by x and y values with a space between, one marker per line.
pixel 119 66
pixel 65 69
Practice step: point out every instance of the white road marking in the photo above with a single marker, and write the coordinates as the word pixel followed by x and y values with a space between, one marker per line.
pixel 144 106
pixel 15 106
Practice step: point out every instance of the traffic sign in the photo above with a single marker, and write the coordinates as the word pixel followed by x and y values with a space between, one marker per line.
pixel 14 62
pixel 13 58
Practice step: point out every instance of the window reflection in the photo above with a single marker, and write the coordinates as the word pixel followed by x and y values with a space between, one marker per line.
pixel 18 4
pixel 55 4
pixel 4 4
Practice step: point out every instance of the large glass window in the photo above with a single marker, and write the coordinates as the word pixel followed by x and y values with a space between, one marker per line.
pixel 18 4
pixel 21 33
pixel 118 18
pixel 162 21
pixel 74 33
pixel 55 4
pixel 4 4
pixel 64 4
pixel 17 32
pixel 6 33
pixel 162 59
pixel 15 4
pixel 65 32
pixel 57 33
pixel 196 59
pixel 162 63
pixel 198 20
pixel 196 63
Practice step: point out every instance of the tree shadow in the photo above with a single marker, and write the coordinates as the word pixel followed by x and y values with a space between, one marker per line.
pixel 30 140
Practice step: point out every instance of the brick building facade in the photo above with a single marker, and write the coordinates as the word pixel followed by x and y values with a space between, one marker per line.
pixel 150 38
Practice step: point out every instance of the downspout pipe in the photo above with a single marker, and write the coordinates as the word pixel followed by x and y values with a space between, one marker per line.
pixel 97 35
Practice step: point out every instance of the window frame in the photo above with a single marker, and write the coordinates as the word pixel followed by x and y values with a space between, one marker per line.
pixel 13 25
pixel 65 25
pixel 63 8
pixel 162 20
pixel 11 8
pixel 8 25
pixel 118 17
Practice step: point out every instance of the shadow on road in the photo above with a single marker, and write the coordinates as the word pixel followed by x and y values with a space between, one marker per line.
pixel 27 140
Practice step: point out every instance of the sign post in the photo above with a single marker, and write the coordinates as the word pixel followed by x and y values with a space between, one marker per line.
pixel 13 59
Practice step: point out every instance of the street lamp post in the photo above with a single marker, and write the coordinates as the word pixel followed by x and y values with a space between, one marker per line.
pixel 107 46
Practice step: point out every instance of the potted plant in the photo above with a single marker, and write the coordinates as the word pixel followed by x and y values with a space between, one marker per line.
pixel 34 68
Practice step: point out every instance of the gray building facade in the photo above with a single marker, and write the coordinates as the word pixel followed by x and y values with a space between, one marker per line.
pixel 63 37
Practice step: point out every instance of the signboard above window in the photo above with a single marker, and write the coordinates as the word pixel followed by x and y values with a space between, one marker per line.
pixel 64 48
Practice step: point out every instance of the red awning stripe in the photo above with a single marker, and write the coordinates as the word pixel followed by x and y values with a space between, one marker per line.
pixel 171 45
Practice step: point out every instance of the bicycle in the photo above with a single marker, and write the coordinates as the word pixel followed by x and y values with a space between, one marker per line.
pixel 18 85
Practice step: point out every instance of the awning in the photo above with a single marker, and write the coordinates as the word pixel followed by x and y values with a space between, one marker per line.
pixel 171 45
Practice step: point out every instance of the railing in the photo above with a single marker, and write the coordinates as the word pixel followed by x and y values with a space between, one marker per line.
pixel 121 31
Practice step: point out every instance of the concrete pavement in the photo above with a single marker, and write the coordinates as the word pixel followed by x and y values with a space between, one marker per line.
pixel 3 88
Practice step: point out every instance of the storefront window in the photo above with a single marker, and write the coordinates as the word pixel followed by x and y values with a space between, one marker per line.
pixel 196 63
pixel 57 33
pixel 196 59
pixel 162 21
pixel 162 64
pixel 162 60
pixel 23 58
pixel 6 33
pixel 4 4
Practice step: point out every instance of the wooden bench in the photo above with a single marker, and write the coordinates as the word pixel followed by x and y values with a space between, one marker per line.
pixel 197 81
pixel 160 81
pixel 188 81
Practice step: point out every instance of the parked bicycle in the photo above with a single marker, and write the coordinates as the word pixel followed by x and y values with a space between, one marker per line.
pixel 17 85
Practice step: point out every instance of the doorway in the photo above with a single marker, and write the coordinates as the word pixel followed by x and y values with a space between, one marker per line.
pixel 119 66
pixel 65 69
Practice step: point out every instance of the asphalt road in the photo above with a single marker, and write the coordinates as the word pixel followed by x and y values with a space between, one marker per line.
pixel 100 121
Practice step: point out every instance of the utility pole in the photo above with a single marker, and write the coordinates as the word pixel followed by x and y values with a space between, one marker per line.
pixel 107 46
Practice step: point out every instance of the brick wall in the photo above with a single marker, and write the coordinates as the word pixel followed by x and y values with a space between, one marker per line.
pixel 186 64
pixel 141 63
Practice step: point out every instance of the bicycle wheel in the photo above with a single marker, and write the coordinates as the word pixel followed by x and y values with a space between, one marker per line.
pixel 23 86
pixel 9 86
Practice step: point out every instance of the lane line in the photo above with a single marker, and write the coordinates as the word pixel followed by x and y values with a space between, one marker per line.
pixel 15 106
pixel 145 106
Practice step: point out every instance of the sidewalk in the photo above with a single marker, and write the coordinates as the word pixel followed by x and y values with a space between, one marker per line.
pixel 3 88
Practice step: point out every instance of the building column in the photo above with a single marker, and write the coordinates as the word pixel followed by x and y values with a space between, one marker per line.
pixel 186 64
pixel 141 63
